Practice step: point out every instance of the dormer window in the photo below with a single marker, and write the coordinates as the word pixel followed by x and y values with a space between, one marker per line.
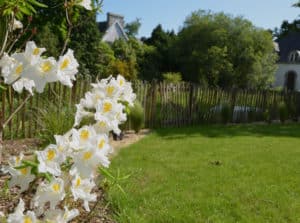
pixel 294 56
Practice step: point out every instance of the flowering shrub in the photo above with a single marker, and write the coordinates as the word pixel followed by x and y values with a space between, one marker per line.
pixel 70 165
pixel 65 171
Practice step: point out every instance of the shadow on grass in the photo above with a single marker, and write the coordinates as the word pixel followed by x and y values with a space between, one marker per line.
pixel 258 130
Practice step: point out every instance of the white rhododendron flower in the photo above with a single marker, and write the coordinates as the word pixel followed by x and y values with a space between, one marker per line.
pixel 17 24
pixel 33 53
pixel 60 216
pixel 86 162
pixel 63 147
pixel 80 114
pixel 85 3
pixel 81 189
pixel 49 160
pixel 49 192
pixel 67 68
pixel 82 137
pixel 19 177
pixel 19 217
pixel 45 71
pixel 24 83
pixel 30 66
pixel 12 67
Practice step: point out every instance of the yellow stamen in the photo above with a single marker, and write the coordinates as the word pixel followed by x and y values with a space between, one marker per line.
pixel 18 159
pixel 107 106
pixel 101 144
pixel 84 134
pixel 87 155
pixel 19 69
pixel 78 182
pixel 56 187
pixel 65 64
pixel 36 51
pixel 121 82
pixel 60 148
pixel 50 155
pixel 24 171
pixel 46 67
pixel 27 219
pixel 102 124
pixel 110 90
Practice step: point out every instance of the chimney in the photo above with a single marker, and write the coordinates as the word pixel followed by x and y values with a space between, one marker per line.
pixel 111 18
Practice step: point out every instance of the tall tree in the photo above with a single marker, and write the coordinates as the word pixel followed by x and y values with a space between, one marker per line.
pixel 132 28
pixel 221 50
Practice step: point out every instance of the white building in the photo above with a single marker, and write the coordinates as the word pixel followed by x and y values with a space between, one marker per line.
pixel 288 74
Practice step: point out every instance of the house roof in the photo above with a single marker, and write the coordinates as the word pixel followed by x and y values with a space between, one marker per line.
pixel 114 32
pixel 287 44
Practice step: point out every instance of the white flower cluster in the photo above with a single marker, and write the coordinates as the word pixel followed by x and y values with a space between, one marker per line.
pixel 31 70
pixel 84 149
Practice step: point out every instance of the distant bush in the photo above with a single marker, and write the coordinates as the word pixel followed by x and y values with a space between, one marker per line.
pixel 171 77
pixel 226 113
pixel 136 117
pixel 283 111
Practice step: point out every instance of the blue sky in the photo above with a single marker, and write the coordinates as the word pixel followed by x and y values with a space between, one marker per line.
pixel 172 13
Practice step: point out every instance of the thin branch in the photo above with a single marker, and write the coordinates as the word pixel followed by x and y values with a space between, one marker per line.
pixel 16 111
pixel 70 27
pixel 18 37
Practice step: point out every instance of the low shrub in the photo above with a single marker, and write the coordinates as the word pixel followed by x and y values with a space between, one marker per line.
pixel 136 117
pixel 226 113
pixel 171 77
pixel 283 112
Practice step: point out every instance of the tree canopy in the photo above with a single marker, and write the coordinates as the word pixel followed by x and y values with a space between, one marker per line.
pixel 221 50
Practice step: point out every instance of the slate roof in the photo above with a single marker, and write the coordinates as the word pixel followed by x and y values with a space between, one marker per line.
pixel 114 32
pixel 287 44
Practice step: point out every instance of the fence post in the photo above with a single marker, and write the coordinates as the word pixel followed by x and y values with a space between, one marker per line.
pixel 153 104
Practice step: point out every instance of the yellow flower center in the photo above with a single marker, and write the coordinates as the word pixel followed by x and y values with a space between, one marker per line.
pixel 50 155
pixel 107 106
pixel 78 182
pixel 24 171
pixel 121 82
pixel 46 67
pixel 19 69
pixel 84 134
pixel 60 148
pixel 27 219
pixel 18 160
pixel 110 90
pixel 56 187
pixel 101 124
pixel 65 64
pixel 36 51
pixel 87 155
pixel 101 144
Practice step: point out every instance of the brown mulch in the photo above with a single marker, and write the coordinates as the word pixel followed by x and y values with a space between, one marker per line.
pixel 101 212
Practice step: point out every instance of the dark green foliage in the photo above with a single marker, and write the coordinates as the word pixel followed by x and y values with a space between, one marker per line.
pixel 132 28
pixel 136 116
pixel 221 50
pixel 283 111
pixel 85 40
pixel 161 56
pixel 226 112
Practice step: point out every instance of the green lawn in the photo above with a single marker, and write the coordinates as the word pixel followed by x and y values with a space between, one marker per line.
pixel 211 174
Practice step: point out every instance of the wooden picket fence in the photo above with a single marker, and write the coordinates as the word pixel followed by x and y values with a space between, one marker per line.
pixel 165 105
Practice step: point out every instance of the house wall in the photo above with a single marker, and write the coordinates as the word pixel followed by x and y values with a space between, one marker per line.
pixel 280 75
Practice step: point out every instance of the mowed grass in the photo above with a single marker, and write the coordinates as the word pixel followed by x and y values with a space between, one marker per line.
pixel 247 173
